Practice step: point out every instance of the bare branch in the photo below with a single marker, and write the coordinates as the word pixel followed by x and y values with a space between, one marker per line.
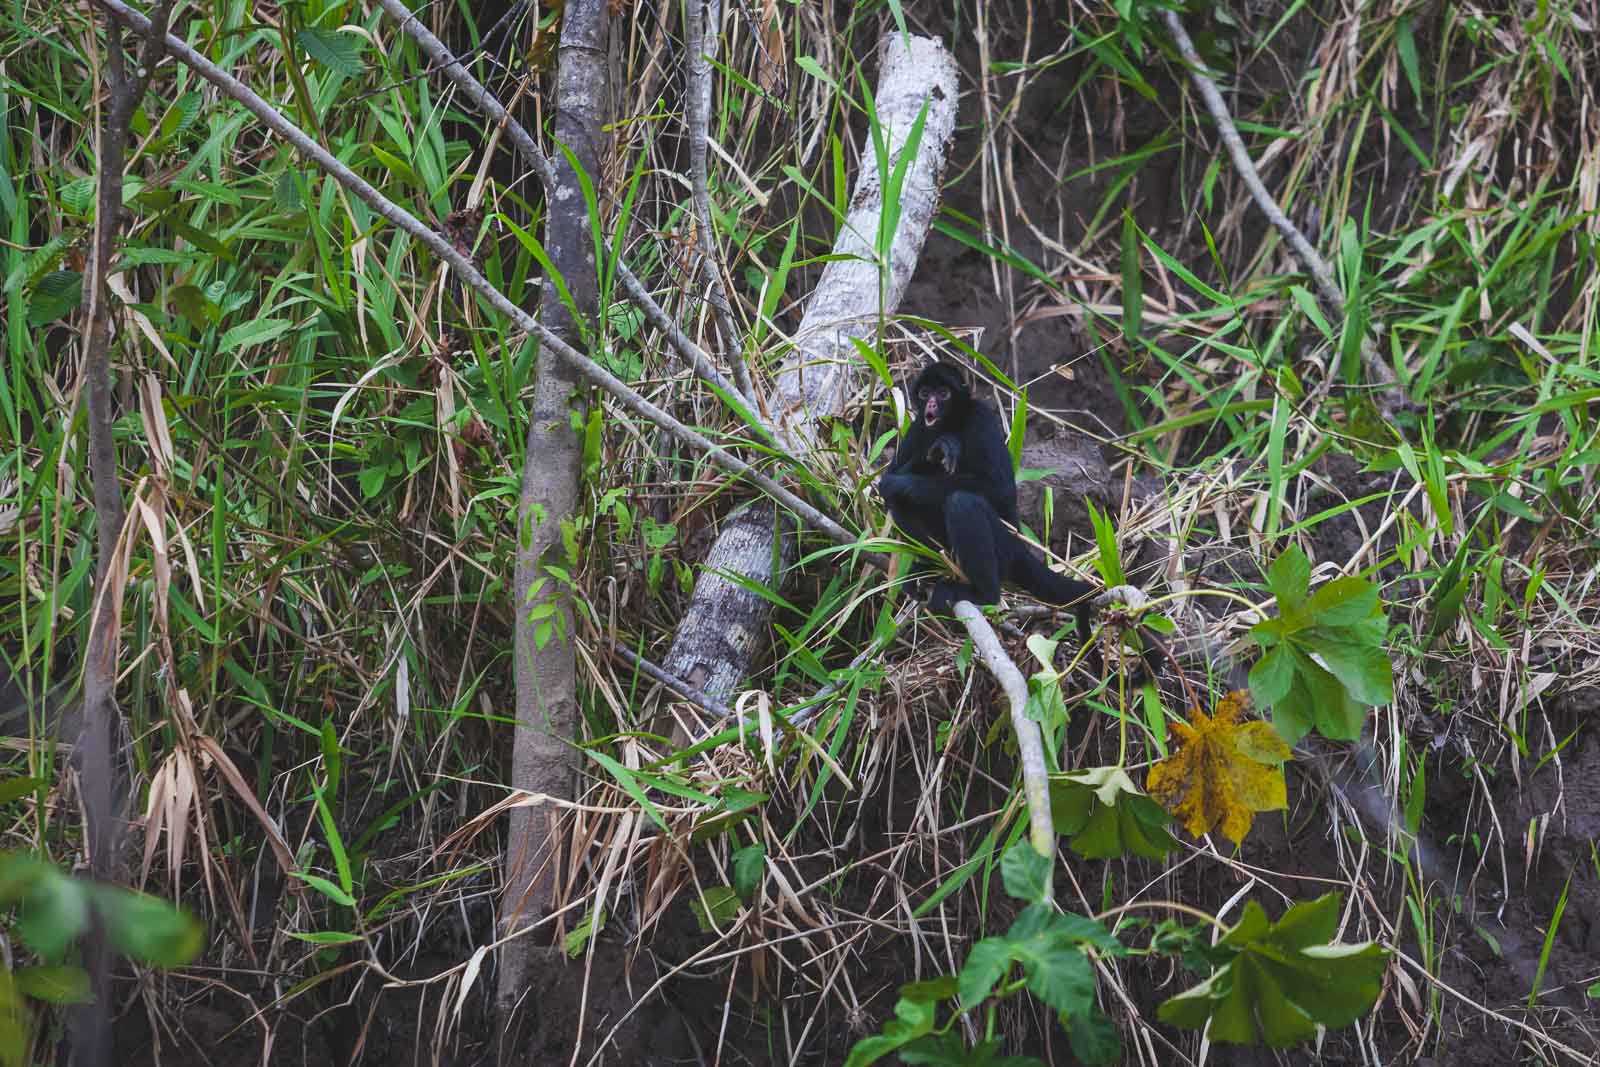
pixel 1310 261
pixel 90 1023
pixel 1030 743
pixel 486 103
pixel 469 274
pixel 701 21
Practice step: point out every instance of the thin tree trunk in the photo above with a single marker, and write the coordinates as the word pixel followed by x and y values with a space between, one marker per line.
pixel 725 625
pixel 90 1023
pixel 546 668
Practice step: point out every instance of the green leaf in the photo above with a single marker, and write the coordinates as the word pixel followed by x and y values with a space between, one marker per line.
pixel 1325 661
pixel 326 888
pixel 718 908
pixel 1289 578
pixel 913 1019
pixel 253 332
pixel 1283 981
pixel 339 52
pixel 148 929
pixel 1132 279
pixel 1050 947
pixel 1025 873
pixel 1106 816
pixel 56 984
pixel 1094 1037
pixel 749 864
pixel 55 910
pixel 18 788
pixel 325 938
pixel 58 293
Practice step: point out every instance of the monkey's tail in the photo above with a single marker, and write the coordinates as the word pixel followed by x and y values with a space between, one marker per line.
pixel 1034 575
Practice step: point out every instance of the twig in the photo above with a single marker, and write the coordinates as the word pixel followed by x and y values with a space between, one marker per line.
pixel 1311 262
pixel 486 103
pixel 688 692
pixel 469 274
pixel 701 20
pixel 1030 743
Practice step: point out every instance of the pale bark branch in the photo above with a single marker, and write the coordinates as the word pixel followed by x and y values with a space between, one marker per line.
pixel 534 156
pixel 469 274
pixel 1030 742
pixel 1310 261
pixel 726 625
pixel 701 21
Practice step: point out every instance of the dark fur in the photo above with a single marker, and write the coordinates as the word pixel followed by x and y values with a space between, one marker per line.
pixel 952 486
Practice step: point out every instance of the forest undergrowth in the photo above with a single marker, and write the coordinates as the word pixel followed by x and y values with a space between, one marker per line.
pixel 320 438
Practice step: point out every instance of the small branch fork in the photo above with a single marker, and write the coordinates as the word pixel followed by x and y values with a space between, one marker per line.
pixel 1391 399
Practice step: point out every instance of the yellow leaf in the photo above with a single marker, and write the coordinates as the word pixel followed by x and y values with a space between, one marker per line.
pixel 1222 771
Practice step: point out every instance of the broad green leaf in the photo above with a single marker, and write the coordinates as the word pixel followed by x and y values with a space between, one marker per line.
pixel 1325 661
pixel 54 912
pixel 56 984
pixel 913 1018
pixel 1289 578
pixel 1050 946
pixel 337 51
pixel 326 888
pixel 1025 873
pixel 719 907
pixel 1283 981
pixel 1106 816
pixel 147 928
pixel 1094 1037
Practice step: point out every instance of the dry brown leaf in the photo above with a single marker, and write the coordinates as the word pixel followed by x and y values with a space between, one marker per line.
pixel 1223 771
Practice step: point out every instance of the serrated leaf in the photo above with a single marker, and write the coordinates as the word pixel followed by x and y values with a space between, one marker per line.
pixel 1289 578
pixel 1106 816
pixel 1025 874
pixel 1223 771
pixel 1283 981
pixel 337 51
pixel 1325 661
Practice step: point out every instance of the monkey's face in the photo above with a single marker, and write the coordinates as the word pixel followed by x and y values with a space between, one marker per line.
pixel 934 400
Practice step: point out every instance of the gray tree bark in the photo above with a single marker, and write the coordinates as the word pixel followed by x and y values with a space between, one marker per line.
pixel 725 625
pixel 546 677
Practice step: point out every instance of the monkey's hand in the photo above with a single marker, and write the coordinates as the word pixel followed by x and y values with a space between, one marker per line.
pixel 946 451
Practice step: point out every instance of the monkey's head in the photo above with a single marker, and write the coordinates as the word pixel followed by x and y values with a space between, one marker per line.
pixel 940 395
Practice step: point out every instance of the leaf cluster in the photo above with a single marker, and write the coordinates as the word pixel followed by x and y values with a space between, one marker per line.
pixel 1325 662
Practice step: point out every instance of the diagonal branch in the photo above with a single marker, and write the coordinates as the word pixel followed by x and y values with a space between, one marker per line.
pixel 490 107
pixel 1310 261
pixel 444 250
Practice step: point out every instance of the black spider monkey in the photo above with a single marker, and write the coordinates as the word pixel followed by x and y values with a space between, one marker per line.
pixel 951 486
